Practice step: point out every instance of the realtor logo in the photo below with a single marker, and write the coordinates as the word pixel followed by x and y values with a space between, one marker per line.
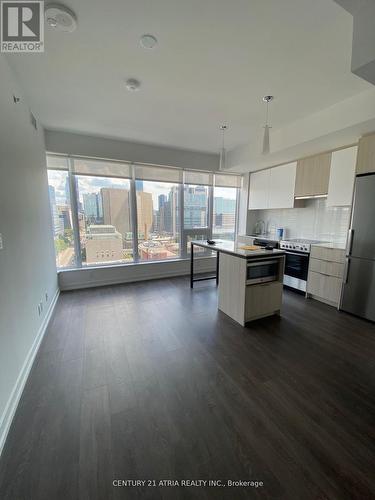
pixel 22 26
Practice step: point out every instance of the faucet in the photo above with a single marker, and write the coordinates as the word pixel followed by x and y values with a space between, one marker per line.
pixel 260 227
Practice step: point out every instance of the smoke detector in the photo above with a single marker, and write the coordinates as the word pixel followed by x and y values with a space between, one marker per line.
pixel 133 85
pixel 60 18
pixel 148 41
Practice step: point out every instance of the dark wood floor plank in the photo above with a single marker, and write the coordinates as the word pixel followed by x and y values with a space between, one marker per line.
pixel 95 458
pixel 150 381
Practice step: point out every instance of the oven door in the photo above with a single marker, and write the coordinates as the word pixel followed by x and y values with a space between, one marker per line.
pixel 296 270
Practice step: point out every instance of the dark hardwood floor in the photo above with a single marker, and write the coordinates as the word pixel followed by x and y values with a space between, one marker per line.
pixel 150 381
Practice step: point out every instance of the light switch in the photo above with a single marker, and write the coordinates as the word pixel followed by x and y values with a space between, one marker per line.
pixel 1 241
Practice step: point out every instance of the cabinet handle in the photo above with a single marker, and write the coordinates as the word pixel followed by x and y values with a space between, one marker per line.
pixel 346 275
pixel 350 242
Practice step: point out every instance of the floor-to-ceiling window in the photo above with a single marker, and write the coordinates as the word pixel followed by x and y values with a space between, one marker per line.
pixel 158 221
pixel 108 212
pixel 61 212
pixel 197 208
pixel 225 207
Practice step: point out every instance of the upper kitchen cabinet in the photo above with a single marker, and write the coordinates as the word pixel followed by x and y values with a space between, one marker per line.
pixel 312 176
pixel 366 155
pixel 341 178
pixel 282 182
pixel 259 189
pixel 273 187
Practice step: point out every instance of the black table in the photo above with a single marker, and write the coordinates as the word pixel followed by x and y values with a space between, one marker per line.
pixel 203 245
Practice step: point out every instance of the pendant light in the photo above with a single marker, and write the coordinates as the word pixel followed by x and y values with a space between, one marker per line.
pixel 266 137
pixel 223 153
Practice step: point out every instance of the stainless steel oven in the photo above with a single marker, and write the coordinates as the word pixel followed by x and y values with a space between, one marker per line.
pixel 296 270
pixel 297 256
pixel 261 271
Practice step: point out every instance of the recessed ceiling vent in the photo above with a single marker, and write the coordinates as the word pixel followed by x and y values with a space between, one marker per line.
pixel 60 18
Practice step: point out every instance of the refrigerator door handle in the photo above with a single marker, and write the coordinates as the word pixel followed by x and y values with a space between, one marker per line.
pixel 346 272
pixel 349 244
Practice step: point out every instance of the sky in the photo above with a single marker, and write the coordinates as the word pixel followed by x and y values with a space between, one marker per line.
pixel 88 184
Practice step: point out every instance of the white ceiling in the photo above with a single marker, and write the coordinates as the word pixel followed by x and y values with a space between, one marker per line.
pixel 214 62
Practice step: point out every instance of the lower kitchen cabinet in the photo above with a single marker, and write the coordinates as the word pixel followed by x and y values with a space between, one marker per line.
pixel 263 300
pixel 326 271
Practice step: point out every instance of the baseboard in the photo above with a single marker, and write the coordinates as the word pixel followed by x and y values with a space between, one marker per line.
pixel 10 409
pixel 91 283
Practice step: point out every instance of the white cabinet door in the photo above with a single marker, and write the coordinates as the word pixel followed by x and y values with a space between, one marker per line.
pixel 282 183
pixel 341 179
pixel 243 205
pixel 259 188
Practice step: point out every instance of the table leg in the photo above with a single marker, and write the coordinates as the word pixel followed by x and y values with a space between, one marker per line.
pixel 217 268
pixel 191 265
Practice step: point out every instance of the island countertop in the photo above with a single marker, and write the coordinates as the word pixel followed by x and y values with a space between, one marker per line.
pixel 233 248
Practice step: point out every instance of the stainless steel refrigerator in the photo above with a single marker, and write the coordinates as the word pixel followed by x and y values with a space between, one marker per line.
pixel 358 293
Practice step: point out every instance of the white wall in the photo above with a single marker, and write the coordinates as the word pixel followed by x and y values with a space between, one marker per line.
pixel 314 221
pixel 27 261
pixel 98 276
pixel 114 149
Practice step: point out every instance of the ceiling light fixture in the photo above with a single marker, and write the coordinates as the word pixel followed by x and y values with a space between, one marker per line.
pixel 266 137
pixel 132 84
pixel 148 41
pixel 223 153
pixel 60 18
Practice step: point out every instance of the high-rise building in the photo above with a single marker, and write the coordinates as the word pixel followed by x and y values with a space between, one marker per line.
pixel 92 206
pixel 168 212
pixel 145 213
pixel 116 209
pixel 103 244
pixel 57 221
pixel 164 215
pixel 66 216
pixel 195 206
pixel 224 205
pixel 174 210
pixel 139 185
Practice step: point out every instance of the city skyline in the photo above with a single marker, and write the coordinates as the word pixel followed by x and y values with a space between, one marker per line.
pixel 105 202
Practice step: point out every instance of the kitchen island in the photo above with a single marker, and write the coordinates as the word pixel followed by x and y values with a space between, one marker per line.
pixel 250 280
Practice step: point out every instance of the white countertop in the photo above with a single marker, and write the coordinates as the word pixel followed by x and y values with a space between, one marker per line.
pixel 331 244
pixel 233 248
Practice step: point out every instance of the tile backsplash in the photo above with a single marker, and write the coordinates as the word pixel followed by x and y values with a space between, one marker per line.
pixel 314 221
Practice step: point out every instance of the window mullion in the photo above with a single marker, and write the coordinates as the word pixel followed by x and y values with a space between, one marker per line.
pixel 133 215
pixel 210 210
pixel 74 211
pixel 183 249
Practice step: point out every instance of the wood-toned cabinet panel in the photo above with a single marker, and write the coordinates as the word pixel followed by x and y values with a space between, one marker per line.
pixel 366 155
pixel 304 178
pixel 322 165
pixel 330 254
pixel 326 287
pixel 335 269
pixel 263 299
pixel 312 176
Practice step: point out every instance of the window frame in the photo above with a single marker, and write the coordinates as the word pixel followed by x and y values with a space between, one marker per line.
pixel 184 232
